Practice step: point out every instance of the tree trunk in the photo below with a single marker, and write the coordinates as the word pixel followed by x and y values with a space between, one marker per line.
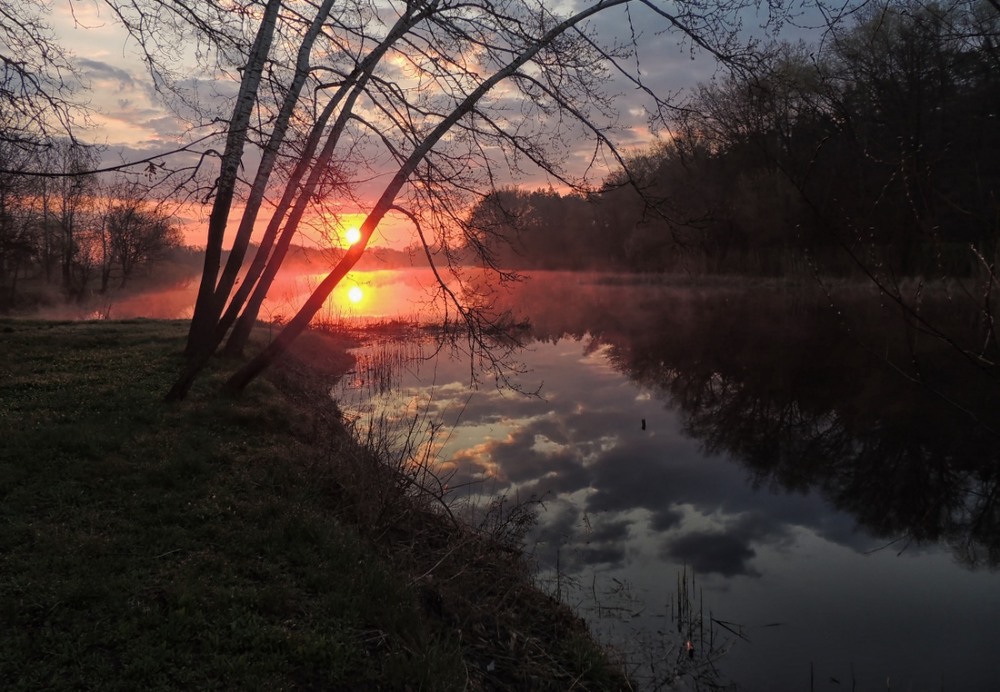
pixel 247 320
pixel 301 320
pixel 261 264
pixel 207 311
pixel 269 158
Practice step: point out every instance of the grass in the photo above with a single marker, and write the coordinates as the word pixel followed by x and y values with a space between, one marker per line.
pixel 244 544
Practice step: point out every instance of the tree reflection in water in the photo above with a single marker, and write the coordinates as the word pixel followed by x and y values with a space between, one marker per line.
pixel 842 396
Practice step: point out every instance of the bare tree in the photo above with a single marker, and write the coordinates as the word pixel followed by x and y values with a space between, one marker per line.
pixel 36 77
pixel 66 200
pixel 456 96
pixel 134 232
pixel 18 221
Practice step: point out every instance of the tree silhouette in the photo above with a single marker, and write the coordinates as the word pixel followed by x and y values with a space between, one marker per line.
pixel 414 85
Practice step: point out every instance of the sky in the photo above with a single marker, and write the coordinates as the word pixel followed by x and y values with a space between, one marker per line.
pixel 132 121
pixel 129 113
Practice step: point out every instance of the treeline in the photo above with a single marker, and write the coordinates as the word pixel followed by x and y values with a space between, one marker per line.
pixel 545 230
pixel 877 150
pixel 66 233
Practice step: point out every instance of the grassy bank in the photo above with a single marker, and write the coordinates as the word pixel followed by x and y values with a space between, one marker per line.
pixel 239 544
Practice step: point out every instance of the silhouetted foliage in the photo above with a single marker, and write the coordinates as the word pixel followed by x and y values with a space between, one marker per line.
pixel 875 151
pixel 65 233
pixel 138 235
pixel 542 229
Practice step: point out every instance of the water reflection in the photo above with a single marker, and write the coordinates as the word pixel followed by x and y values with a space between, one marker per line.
pixel 806 405
pixel 772 440
pixel 838 398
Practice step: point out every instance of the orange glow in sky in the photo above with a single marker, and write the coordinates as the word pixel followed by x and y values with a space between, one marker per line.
pixel 317 231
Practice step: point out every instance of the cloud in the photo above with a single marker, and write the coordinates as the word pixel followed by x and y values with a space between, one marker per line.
pixel 712 552
pixel 613 555
pixel 652 490
pixel 609 531
pixel 578 539
pixel 727 551
pixel 103 74
pixel 665 519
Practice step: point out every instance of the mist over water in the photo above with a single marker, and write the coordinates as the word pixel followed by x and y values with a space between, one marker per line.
pixel 370 295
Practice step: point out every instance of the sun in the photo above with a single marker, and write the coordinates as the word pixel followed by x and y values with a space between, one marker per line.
pixel 352 235
pixel 355 294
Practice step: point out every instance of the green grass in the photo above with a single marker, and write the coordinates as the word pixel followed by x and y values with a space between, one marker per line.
pixel 229 543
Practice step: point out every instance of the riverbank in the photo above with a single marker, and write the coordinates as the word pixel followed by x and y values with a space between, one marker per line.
pixel 242 544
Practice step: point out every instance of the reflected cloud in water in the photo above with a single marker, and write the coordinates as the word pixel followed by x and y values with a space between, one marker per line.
pixel 762 440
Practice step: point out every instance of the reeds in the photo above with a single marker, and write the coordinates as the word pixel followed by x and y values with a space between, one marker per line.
pixel 686 653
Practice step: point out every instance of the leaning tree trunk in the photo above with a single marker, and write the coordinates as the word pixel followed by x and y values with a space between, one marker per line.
pixel 212 326
pixel 353 88
pixel 206 310
pixel 262 264
pixel 266 167
pixel 300 321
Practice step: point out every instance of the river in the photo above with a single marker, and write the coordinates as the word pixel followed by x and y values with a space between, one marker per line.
pixel 840 518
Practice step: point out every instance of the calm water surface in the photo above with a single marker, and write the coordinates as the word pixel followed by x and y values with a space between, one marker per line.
pixel 839 520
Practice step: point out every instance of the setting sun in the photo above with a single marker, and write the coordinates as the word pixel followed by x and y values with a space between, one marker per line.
pixel 352 235
pixel 355 294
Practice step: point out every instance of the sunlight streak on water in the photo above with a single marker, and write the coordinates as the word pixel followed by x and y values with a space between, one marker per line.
pixel 385 294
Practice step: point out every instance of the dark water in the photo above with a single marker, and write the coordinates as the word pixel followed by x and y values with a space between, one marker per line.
pixel 829 472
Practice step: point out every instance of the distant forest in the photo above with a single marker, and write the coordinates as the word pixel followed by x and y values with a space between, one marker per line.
pixel 876 151
pixel 71 234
